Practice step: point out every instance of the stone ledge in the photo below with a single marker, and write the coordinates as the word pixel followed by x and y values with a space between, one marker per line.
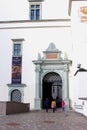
pixel 35 0
pixel 84 98
pixel 16 85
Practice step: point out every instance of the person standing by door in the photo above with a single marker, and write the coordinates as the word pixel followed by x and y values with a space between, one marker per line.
pixel 63 106
pixel 46 104
pixel 53 105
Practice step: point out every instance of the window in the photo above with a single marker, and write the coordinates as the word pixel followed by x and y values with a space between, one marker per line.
pixel 17 47
pixel 17 50
pixel 35 11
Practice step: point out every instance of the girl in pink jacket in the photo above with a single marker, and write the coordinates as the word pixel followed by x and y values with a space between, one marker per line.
pixel 63 105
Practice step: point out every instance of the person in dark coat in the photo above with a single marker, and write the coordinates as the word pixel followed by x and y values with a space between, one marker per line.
pixel 46 104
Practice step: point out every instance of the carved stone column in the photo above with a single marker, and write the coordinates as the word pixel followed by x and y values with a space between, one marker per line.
pixel 37 89
pixel 66 89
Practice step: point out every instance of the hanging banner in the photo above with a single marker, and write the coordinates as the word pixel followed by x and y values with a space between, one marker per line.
pixel 16 70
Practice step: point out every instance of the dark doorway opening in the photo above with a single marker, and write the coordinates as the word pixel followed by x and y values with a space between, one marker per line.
pixel 52 88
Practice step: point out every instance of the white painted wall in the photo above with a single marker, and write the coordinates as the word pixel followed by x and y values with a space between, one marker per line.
pixel 14 10
pixel 72 41
pixel 79 39
pixel 19 9
pixel 36 40
pixel 55 9
pixel 82 84
pixel 79 34
pixel 80 91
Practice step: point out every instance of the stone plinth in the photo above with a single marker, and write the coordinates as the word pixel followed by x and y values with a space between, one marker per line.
pixel 13 108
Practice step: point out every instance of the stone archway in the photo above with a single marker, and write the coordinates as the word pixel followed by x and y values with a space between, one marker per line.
pixel 51 66
pixel 52 88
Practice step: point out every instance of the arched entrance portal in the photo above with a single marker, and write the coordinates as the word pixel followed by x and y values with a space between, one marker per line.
pixel 52 88
pixel 52 77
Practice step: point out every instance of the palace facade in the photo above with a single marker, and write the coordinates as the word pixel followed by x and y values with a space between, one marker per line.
pixel 43 46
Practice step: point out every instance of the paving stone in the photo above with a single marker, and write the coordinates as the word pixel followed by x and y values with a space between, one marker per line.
pixel 41 120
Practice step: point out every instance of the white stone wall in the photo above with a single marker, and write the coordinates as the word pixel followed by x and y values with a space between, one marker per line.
pixel 80 105
pixel 14 10
pixel 69 37
pixel 79 40
pixel 55 9
pixel 36 40
pixel 19 9
pixel 79 34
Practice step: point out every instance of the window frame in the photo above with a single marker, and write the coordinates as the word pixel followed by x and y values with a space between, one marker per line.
pixel 40 9
pixel 17 50
pixel 18 42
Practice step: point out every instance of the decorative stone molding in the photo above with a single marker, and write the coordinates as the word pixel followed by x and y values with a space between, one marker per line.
pixel 35 0
pixel 17 40
pixel 21 89
pixel 52 52
pixel 16 85
pixel 55 65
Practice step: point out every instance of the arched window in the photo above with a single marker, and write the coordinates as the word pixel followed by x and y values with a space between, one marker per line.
pixel 16 95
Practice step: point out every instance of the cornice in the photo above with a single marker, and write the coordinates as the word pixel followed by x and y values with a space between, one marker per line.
pixel 16 40
pixel 16 85
pixel 78 0
pixel 35 0
pixel 52 62
pixel 30 21
pixel 25 24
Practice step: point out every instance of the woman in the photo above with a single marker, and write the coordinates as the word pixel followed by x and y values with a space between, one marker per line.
pixel 53 105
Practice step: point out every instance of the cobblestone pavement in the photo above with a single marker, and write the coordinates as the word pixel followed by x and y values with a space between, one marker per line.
pixel 40 120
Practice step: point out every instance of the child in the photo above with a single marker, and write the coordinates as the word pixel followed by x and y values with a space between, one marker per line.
pixel 63 105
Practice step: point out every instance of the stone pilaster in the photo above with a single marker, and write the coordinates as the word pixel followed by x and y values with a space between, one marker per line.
pixel 66 89
pixel 37 89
